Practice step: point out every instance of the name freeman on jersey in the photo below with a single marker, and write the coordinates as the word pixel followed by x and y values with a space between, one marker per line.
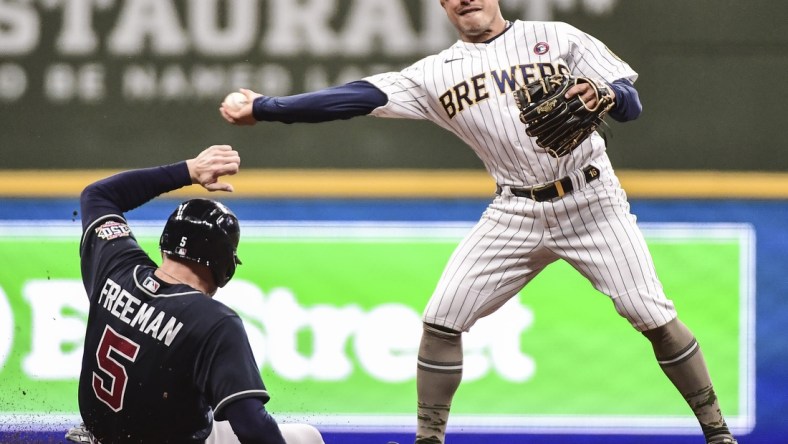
pixel 129 309
pixel 474 90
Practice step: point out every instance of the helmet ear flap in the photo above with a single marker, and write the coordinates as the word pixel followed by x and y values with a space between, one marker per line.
pixel 206 232
pixel 230 271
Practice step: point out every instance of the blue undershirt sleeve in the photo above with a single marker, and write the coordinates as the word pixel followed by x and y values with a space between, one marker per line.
pixel 342 102
pixel 628 106
pixel 125 191
pixel 251 422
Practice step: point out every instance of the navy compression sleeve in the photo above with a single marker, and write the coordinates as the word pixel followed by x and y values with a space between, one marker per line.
pixel 336 103
pixel 130 189
pixel 628 106
pixel 251 422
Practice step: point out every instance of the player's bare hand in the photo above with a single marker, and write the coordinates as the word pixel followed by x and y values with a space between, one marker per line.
pixel 211 164
pixel 241 115
pixel 586 93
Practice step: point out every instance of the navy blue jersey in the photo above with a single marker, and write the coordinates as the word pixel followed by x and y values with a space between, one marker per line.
pixel 160 360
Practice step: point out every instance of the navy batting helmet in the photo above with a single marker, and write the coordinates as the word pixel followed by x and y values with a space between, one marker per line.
pixel 206 232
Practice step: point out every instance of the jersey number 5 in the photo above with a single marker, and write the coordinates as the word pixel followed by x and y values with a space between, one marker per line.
pixel 112 393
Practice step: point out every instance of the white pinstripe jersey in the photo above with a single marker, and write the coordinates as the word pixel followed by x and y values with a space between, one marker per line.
pixel 467 89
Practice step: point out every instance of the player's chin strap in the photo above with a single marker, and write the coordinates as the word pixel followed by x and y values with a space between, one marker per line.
pixel 81 434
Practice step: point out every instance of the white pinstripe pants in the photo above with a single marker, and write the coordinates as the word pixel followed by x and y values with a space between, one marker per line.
pixel 516 238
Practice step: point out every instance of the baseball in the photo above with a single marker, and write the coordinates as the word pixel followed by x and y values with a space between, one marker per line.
pixel 235 101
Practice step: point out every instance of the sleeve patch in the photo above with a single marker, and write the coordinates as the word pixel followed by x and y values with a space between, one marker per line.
pixel 112 230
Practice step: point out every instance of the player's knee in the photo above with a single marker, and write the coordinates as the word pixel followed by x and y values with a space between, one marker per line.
pixel 301 434
pixel 652 312
pixel 440 330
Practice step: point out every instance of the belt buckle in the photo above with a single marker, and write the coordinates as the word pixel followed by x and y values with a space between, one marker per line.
pixel 534 190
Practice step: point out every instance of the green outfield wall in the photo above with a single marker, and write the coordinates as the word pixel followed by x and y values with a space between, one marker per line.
pixel 333 314
pixel 88 84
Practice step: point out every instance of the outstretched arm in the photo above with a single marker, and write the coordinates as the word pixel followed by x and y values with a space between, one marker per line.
pixel 336 103
pixel 130 189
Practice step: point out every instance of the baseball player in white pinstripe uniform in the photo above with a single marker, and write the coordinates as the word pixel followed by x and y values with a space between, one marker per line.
pixel 546 208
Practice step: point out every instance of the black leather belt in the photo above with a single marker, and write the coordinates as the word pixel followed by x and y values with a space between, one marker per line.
pixel 553 189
